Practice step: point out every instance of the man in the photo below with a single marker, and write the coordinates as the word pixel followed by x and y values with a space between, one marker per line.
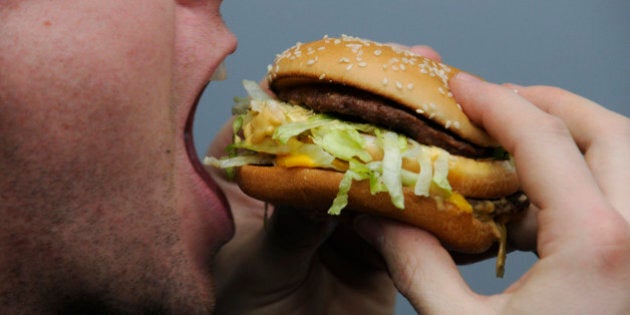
pixel 101 205
pixel 105 208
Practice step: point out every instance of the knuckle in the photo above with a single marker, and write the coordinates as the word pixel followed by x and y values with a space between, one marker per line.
pixel 554 126
pixel 611 244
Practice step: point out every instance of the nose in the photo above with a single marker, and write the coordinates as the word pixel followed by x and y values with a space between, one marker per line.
pixel 231 42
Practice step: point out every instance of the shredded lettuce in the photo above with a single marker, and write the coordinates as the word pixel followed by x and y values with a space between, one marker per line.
pixel 356 171
pixel 440 173
pixel 265 128
pixel 341 140
pixel 255 91
pixel 423 181
pixel 286 131
pixel 236 161
pixel 392 167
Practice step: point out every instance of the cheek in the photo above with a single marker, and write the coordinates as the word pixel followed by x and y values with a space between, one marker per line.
pixel 86 93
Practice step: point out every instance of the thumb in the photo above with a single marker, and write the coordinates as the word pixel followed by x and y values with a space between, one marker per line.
pixel 422 270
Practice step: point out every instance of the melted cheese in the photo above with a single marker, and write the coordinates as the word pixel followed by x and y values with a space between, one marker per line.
pixel 292 160
pixel 461 202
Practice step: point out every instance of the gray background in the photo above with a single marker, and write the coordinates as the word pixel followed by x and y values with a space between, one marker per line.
pixel 582 46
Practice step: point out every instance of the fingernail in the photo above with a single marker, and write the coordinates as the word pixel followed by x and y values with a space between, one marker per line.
pixel 369 228
pixel 464 76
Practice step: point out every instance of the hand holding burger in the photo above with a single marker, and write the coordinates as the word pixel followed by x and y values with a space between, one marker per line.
pixel 572 157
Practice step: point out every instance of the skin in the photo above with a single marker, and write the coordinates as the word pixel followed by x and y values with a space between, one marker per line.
pixel 579 223
pixel 106 209
pixel 102 207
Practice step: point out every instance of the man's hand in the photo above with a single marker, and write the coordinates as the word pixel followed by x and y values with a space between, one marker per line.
pixel 572 158
pixel 283 260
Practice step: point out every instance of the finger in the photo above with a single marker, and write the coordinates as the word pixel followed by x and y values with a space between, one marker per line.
pixel 420 267
pixel 426 51
pixel 544 152
pixel 422 50
pixel 602 135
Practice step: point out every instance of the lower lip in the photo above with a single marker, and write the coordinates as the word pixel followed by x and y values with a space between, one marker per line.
pixel 222 221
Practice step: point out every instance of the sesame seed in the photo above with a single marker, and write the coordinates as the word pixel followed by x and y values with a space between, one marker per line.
pixel 337 41
pixel 349 67
pixel 399 85
pixel 385 81
pixel 419 111
pixel 457 125
pixel 269 68
pixel 378 52
pixel 402 67
pixel 354 47
pixel 410 86
pixel 311 62
pixel 363 64
pixel 322 76
pixel 448 124
pixel 344 60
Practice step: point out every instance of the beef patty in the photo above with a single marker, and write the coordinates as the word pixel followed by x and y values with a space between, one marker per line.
pixel 362 106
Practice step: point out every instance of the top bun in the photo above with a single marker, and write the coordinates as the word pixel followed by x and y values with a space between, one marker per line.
pixel 414 81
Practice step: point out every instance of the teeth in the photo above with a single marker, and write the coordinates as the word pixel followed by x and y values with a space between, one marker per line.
pixel 220 73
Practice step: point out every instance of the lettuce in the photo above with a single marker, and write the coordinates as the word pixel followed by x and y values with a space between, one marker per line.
pixel 341 140
pixel 356 171
pixel 440 173
pixel 236 161
pixel 361 151
pixel 255 91
pixel 392 167
pixel 423 181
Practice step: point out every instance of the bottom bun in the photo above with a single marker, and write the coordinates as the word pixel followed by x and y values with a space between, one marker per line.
pixel 315 189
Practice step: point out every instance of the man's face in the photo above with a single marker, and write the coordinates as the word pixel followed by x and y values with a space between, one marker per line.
pixel 100 200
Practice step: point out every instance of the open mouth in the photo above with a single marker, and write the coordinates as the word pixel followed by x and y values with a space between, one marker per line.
pixel 220 201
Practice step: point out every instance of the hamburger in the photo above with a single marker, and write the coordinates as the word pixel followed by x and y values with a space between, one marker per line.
pixel 361 126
